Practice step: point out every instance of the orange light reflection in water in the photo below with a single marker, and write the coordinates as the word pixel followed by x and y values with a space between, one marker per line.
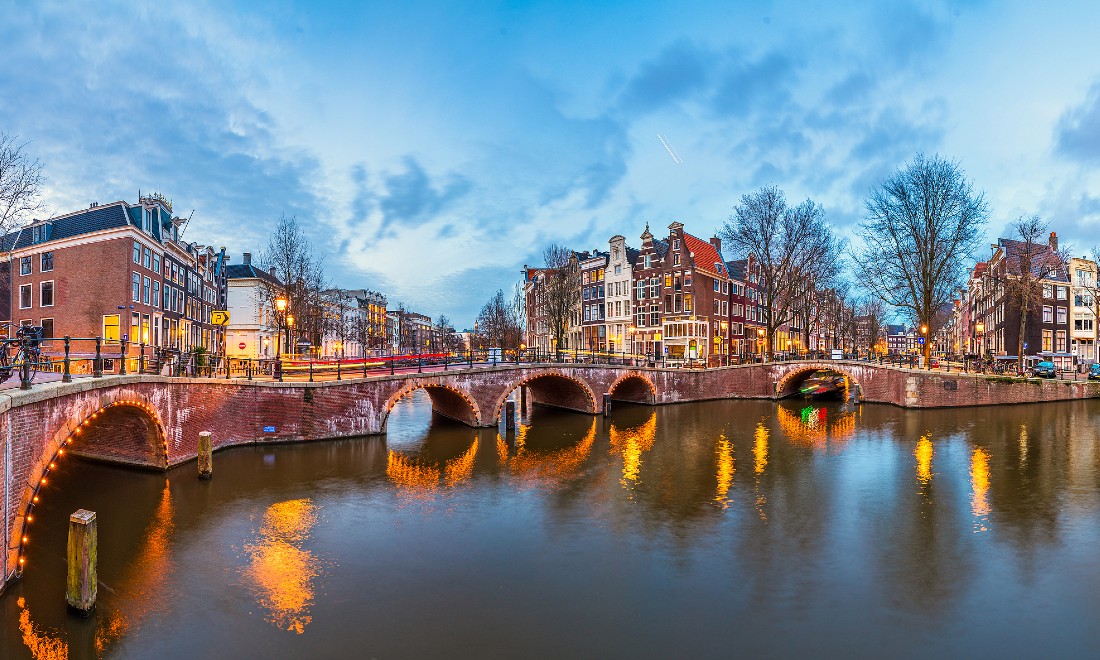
pixel 631 443
pixel 553 468
pixel 759 462
pixel 812 426
pixel 280 573
pixel 724 471
pixel 979 481
pixel 418 480
pixel 43 645
pixel 923 454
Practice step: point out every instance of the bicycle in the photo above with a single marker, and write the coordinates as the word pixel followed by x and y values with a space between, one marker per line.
pixel 28 353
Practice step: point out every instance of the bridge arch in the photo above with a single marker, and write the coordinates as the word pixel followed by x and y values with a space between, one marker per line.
pixel 633 388
pixel 93 433
pixel 448 401
pixel 553 388
pixel 788 384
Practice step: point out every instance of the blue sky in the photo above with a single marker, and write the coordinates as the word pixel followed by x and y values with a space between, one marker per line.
pixel 432 149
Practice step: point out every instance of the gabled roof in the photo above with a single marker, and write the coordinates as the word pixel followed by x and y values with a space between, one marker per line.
pixel 660 247
pixel 705 255
pixel 631 254
pixel 247 271
pixel 98 218
pixel 1045 262
pixel 738 268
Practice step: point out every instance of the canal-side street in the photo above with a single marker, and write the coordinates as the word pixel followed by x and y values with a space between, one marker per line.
pixel 751 528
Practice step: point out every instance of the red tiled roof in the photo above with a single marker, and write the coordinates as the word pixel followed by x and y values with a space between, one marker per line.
pixel 706 256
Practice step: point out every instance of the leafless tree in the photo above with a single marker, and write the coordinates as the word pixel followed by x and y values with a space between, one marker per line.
pixel 497 323
pixel 1029 259
pixel 794 247
pixel 562 293
pixel 289 256
pixel 447 339
pixel 21 183
pixel 872 315
pixel 923 225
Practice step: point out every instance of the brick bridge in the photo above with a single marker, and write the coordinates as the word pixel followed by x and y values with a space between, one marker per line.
pixel 154 421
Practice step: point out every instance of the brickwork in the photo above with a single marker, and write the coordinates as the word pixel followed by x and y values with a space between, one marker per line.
pixel 153 422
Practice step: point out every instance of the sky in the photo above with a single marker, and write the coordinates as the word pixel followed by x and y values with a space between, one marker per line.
pixel 431 149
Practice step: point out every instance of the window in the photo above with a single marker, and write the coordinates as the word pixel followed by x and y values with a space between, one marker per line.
pixel 725 308
pixel 156 263
pixel 687 302
pixel 45 294
pixel 135 288
pixel 24 265
pixel 41 233
pixel 110 327
pixel 1061 341
pixel 47 328
pixel 618 269
pixel 1063 292
pixel 145 290
pixel 137 253
pixel 25 296
pixel 676 244
pixel 654 285
pixel 676 259
pixel 167 300
pixel 716 286
pixel 1048 314
pixel 1062 316
pixel 148 260
pixel 1047 337
pixel 725 287
pixel 156 293
pixel 47 262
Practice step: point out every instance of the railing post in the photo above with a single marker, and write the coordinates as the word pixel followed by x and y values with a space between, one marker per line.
pixel 311 369
pixel 391 361
pixel 337 367
pixel 141 359
pixel 470 357
pixel 66 375
pixel 122 356
pixel 248 369
pixel 419 362
pixel 97 366
pixel 364 367
pixel 25 366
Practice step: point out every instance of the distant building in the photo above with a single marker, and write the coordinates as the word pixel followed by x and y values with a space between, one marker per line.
pixel 253 329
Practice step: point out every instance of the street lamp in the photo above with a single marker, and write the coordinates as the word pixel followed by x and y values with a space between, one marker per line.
pixel 979 327
pixel 927 348
pixel 280 313
pixel 760 341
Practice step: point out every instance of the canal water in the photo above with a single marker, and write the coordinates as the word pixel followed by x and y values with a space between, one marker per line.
pixel 721 529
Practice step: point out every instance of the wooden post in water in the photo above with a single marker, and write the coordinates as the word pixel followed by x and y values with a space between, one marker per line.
pixel 80 588
pixel 606 404
pixel 206 455
pixel 523 399
pixel 509 416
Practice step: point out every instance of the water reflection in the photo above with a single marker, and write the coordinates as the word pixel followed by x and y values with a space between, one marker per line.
pixel 420 477
pixel 923 454
pixel 547 458
pixel 43 644
pixel 281 573
pixel 979 482
pixel 724 471
pixel 630 443
pixel 816 426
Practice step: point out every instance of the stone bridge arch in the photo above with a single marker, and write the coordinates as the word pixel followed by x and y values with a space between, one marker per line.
pixel 633 387
pixel 447 400
pixel 94 432
pixel 793 375
pixel 553 388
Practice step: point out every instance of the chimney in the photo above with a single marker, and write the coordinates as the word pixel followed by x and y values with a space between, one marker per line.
pixel 247 258
pixel 717 243
pixel 1053 241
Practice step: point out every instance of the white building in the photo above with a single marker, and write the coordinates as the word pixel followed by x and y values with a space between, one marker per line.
pixel 618 283
pixel 1083 331
pixel 252 328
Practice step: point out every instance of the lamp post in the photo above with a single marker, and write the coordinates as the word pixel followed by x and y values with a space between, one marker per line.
pixel 760 342
pixel 979 327
pixel 280 313
pixel 927 352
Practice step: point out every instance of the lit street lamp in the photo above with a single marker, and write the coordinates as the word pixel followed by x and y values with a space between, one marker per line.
pixel 280 312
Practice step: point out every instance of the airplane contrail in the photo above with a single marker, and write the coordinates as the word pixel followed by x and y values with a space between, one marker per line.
pixel 671 152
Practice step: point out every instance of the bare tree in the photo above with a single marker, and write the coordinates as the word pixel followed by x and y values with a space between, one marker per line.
pixel 794 247
pixel 562 293
pixel 1029 259
pixel 497 323
pixel 290 258
pixel 922 227
pixel 873 320
pixel 20 184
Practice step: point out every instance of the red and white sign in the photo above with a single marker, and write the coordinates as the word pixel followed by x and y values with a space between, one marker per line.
pixel 241 345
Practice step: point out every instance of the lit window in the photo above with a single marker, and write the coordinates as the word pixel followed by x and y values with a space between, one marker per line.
pixel 110 327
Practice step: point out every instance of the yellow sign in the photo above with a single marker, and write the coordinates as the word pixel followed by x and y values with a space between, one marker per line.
pixel 219 317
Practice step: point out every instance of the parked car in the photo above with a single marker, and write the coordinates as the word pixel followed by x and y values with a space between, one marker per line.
pixel 1094 372
pixel 1045 370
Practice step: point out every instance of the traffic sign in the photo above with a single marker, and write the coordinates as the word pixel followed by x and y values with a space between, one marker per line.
pixel 219 317
pixel 241 345
pixel 920 340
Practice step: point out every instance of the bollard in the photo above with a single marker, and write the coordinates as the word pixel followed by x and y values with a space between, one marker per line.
pixel 67 375
pixel 206 455
pixel 606 404
pixel 80 587
pixel 509 415
pixel 122 358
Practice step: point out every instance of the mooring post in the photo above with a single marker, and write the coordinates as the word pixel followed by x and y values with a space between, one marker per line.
pixel 80 588
pixel 206 455
pixel 606 404
pixel 509 415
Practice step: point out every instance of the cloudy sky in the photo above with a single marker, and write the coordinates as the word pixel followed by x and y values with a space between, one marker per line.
pixel 432 148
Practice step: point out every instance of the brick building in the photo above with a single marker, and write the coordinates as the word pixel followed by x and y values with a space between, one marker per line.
pixel 593 269
pixel 117 271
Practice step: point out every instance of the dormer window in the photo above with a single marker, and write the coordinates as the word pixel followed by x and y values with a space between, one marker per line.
pixel 676 244
pixel 41 233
